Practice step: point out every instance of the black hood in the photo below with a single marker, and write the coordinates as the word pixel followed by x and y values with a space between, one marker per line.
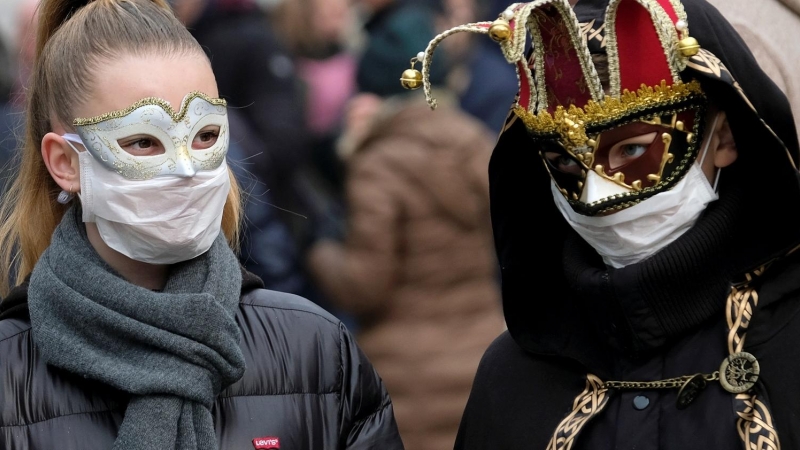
pixel 758 195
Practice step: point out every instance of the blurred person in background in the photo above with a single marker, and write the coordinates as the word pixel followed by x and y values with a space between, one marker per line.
pixel 321 36
pixel 23 49
pixel 416 267
pixel 257 76
pixel 771 31
pixel 395 29
pixel 8 116
pixel 491 83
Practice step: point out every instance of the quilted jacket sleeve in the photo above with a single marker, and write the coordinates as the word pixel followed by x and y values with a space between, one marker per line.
pixel 368 418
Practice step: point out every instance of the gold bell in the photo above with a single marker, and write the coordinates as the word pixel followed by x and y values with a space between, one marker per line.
pixel 500 31
pixel 411 79
pixel 689 47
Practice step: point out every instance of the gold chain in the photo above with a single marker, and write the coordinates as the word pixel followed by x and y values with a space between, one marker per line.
pixel 669 383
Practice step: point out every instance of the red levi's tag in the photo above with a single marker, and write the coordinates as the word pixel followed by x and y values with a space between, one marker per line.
pixel 266 443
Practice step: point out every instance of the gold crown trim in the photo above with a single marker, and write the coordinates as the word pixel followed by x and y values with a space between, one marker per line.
pixel 177 116
pixel 571 124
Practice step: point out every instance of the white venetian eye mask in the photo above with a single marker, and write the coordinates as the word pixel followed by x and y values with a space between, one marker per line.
pixel 153 120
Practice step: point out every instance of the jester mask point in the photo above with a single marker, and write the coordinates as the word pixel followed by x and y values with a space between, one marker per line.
pixel 607 143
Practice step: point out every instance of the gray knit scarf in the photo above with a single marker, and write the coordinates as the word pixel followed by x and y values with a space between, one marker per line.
pixel 173 351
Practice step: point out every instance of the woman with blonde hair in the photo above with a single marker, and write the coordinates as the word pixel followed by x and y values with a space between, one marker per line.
pixel 132 325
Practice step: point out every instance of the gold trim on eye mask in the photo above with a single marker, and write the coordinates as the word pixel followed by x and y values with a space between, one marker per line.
pixel 176 116
pixel 570 124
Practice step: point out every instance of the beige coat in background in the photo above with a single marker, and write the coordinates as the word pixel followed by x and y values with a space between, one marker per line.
pixel 771 28
pixel 418 266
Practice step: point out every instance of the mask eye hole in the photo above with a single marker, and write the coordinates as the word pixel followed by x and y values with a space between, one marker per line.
pixel 206 138
pixel 142 145
pixel 563 163
pixel 629 149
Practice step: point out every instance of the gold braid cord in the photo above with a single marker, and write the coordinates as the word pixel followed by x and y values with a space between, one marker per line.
pixel 587 405
pixel 755 424
pixel 738 313
pixel 478 28
pixel 754 421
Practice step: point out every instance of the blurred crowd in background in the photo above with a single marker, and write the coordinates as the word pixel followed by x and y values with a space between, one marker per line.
pixel 359 198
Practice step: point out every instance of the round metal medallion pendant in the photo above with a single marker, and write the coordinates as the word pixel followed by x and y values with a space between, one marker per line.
pixel 739 372
pixel 690 391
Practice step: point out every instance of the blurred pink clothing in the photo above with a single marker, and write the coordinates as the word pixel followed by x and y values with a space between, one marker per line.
pixel 331 82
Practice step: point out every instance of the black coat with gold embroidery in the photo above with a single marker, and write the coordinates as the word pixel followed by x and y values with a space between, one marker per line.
pixel 575 324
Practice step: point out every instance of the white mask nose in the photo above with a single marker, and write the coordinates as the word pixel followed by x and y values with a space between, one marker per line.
pixel 596 188
pixel 185 166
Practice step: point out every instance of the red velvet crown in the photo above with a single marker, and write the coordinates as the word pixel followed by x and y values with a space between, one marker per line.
pixel 647 44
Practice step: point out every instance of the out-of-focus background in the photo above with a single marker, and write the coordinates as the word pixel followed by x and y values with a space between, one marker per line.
pixel 360 198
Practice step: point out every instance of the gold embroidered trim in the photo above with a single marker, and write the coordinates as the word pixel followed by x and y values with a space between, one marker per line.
pixel 755 425
pixel 589 33
pixel 609 110
pixel 176 116
pixel 706 62
pixel 586 405
pixel 537 57
pixel 741 304
pixel 514 48
pixel 667 34
pixel 680 12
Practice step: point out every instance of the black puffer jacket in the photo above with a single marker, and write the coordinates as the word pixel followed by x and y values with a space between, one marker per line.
pixel 307 385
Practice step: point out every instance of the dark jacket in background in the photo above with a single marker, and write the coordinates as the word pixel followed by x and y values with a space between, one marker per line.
pixel 270 145
pixel 394 35
pixel 306 384
pixel 256 74
pixel 10 119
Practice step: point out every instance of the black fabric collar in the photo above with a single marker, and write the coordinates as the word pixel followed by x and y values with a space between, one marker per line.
pixel 15 305
pixel 644 306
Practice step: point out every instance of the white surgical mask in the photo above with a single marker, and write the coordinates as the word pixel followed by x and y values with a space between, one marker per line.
pixel 162 220
pixel 636 233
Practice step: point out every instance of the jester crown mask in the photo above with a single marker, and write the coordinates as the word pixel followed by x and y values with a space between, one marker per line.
pixel 605 149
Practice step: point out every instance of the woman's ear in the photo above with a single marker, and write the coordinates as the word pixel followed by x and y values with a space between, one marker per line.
pixel 726 152
pixel 62 162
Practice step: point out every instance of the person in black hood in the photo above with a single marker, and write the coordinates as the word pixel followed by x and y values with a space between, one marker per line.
pixel 642 198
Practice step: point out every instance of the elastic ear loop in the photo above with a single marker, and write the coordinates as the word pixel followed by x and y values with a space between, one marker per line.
pixel 70 138
pixel 705 152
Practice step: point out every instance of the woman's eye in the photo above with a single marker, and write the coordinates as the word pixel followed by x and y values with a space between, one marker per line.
pixel 206 138
pixel 629 150
pixel 142 146
pixel 563 163
pixel 634 150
